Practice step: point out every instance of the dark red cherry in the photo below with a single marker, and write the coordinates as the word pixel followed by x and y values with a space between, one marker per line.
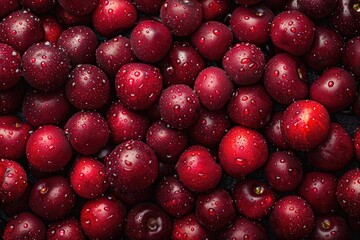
pixel 10 63
pixel 151 7
pixel 273 133
pixel 52 28
pixel 187 227
pixel 39 6
pixel 347 192
pixel 65 229
pixel 243 228
pixel 78 8
pixel 214 9
pixel 11 99
pixel 8 7
pixel 356 140
pixel 69 20
pixel 330 227
pixel 316 9
pixel 343 20
pixel 351 57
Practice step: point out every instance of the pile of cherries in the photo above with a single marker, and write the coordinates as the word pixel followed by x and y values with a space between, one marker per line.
pixel 179 119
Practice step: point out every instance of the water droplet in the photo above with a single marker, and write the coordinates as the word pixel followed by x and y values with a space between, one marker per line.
pixel 240 162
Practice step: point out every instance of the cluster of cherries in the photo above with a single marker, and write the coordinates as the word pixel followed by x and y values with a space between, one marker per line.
pixel 179 119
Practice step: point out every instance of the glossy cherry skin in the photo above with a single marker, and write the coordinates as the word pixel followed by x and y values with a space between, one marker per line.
pixel 10 63
pixel 138 85
pixel 39 6
pixel 9 7
pixel 335 89
pixel 187 227
pixel 125 124
pixel 69 20
pixel 356 140
pixel 21 29
pixel 79 43
pixel 213 39
pixel 151 7
pixel 335 152
pixel 242 151
pixel 351 56
pixel 167 143
pixel 198 170
pixel 182 64
pixel 326 50
pixel 55 149
pixel 87 87
pixel 112 54
pixel 46 108
pixel 250 106
pixel 25 226
pixel 174 197
pixel 347 192
pixel 14 135
pixel 283 171
pixel 252 24
pixel 318 189
pixel 65 229
pixel 285 78
pixel 330 227
pixel 210 128
pixel 242 228
pixel 109 19
pixel 293 32
pixel 52 198
pixel 52 28
pixel 181 17
pixel 87 177
pixel 213 9
pixel 103 218
pixel 150 41
pixel 305 124
pixel 291 218
pixel 213 87
pixel 253 199
pixel 244 63
pixel 179 106
pixel 13 181
pixel 273 133
pixel 78 8
pixel 215 210
pixel 11 99
pixel 147 221
pixel 316 9
pixel 131 166
pixel 343 20
pixel 46 68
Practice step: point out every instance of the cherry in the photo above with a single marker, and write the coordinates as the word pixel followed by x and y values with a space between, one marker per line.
pixel 285 78
pixel 150 41
pixel 250 106
pixel 68 20
pixel 244 63
pixel 125 124
pixel 131 166
pixel 138 85
pixel 291 218
pixel 102 218
pixel 87 178
pixel 343 20
pixel 52 28
pixel 251 24
pixel 65 229
pixel 215 210
pixel 283 171
pixel 182 64
pixel 213 88
pixel 10 63
pixel 80 44
pixel 316 9
pixel 8 7
pixel 25 226
pixel 335 152
pixel 318 189
pixel 243 228
pixel 273 133
pixel 198 170
pixel 214 9
pixel 48 149
pixel 305 124
pixel 39 6
pixel 167 143
pixel 109 19
pixel 335 89
pixel 331 227
pixel 151 7
pixel 78 8
pixel 19 205
pixel 242 151
pixel 11 99
pixel 14 135
pixel 87 87
pixel 13 181
pixel 351 56
pixel 88 132
pixel 112 54
pixel 179 106
pixel 46 108
pixel 212 40
pixel 52 198
pixel 187 227
pixel 20 30
pixel 293 32
pixel 253 199
pixel 347 191
pixel 147 221
pixel 356 140
pixel 173 197
pixel 181 17
pixel 45 67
